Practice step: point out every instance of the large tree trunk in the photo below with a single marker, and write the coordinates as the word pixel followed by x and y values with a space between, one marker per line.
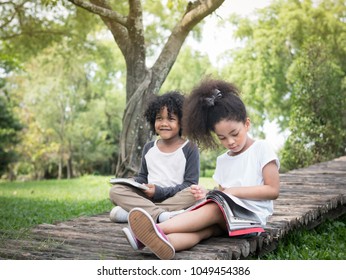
pixel 135 132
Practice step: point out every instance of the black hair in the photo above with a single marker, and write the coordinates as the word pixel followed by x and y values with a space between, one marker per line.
pixel 210 102
pixel 172 100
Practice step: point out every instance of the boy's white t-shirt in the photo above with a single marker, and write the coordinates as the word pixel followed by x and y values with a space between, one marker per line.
pixel 166 169
pixel 245 169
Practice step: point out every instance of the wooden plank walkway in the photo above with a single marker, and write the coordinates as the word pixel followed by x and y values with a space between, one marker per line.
pixel 308 196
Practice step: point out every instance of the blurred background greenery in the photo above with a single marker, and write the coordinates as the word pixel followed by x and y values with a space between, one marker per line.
pixel 62 82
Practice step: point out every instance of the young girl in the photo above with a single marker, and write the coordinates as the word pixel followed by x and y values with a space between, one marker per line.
pixel 248 170
pixel 170 165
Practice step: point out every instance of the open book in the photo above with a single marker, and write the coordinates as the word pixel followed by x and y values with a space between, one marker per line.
pixel 128 182
pixel 239 220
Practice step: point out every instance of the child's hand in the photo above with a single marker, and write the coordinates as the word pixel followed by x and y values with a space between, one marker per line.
pixel 199 192
pixel 151 191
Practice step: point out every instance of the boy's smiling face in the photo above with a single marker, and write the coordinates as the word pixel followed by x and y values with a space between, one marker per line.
pixel 167 126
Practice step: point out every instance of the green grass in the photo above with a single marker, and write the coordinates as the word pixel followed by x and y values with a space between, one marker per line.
pixel 325 242
pixel 26 204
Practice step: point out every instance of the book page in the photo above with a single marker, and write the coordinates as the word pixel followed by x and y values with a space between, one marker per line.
pixel 128 182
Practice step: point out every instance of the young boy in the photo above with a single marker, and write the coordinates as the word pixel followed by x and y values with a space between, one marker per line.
pixel 170 165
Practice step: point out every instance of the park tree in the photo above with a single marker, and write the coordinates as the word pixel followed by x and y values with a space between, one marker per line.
pixel 291 64
pixel 129 22
pixel 318 102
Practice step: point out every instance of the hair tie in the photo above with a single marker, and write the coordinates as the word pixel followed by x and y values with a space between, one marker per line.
pixel 216 94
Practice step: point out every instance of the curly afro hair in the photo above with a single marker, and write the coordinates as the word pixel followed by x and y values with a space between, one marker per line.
pixel 172 100
pixel 210 102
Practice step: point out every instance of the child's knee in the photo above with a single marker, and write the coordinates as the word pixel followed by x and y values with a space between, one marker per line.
pixel 115 191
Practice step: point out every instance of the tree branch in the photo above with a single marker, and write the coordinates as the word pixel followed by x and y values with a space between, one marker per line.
pixel 15 12
pixel 6 22
pixel 116 23
pixel 198 11
pixel 101 11
pixel 195 12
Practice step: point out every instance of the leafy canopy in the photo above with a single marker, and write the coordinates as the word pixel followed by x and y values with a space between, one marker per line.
pixel 291 67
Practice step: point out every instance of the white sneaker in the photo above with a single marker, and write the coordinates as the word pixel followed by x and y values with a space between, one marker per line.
pixel 164 216
pixel 131 238
pixel 118 215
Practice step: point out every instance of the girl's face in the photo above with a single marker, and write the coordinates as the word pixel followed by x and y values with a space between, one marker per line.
pixel 167 126
pixel 233 135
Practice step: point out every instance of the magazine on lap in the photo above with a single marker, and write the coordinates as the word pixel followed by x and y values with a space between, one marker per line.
pixel 239 219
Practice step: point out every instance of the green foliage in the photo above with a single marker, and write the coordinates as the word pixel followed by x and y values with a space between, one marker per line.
pixel 62 76
pixel 318 104
pixel 283 77
pixel 325 242
pixel 159 21
pixel 189 61
pixel 207 182
pixel 27 27
pixel 208 161
pixel 71 111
